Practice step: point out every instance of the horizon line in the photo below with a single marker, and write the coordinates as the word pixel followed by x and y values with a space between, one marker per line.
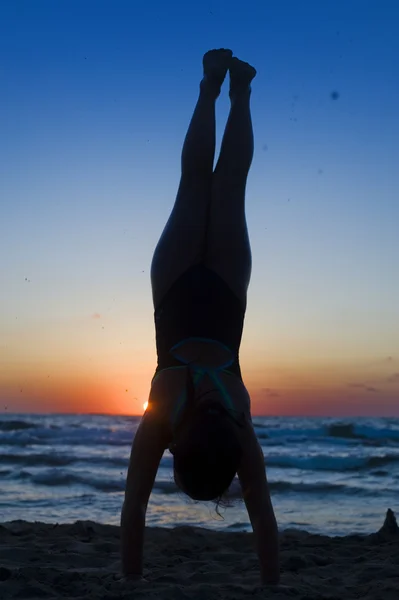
pixel 269 416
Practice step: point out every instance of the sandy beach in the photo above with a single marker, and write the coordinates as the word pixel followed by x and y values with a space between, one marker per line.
pixel 81 560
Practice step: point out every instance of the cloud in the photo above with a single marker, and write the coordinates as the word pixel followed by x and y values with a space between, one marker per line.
pixel 363 386
pixel 96 316
pixel 393 378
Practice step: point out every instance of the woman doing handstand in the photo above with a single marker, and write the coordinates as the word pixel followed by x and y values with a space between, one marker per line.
pixel 198 406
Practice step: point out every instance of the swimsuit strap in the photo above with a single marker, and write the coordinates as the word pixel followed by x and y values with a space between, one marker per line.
pixel 195 374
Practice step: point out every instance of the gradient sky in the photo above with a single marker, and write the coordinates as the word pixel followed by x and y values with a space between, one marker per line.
pixel 95 100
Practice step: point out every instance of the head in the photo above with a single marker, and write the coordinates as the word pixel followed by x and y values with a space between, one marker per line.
pixel 207 452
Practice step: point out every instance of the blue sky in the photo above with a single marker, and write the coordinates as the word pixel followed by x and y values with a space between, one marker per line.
pixel 96 98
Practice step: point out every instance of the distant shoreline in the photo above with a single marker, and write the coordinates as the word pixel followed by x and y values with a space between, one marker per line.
pixel 7 413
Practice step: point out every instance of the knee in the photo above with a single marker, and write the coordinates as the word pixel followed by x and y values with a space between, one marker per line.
pixel 230 176
pixel 195 179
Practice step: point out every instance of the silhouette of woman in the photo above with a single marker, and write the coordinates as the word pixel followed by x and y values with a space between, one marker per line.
pixel 199 407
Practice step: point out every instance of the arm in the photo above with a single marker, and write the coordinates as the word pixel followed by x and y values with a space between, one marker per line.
pixel 257 499
pixel 147 450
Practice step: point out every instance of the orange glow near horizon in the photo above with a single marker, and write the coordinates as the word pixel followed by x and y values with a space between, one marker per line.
pixel 97 392
pixel 99 365
pixel 304 390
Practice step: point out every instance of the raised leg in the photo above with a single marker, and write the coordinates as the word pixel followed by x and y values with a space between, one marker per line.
pixel 182 243
pixel 228 247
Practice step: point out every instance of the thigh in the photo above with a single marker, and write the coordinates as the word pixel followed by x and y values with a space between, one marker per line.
pixel 228 246
pixel 182 242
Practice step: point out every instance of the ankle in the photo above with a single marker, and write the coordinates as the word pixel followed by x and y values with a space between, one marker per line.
pixel 237 93
pixel 210 86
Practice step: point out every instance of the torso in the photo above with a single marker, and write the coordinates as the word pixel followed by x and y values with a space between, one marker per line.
pixel 198 305
pixel 199 322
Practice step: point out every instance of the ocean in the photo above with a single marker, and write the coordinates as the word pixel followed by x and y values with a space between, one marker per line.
pixel 326 475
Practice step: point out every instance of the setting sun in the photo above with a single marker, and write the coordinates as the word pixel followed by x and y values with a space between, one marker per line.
pixel 145 405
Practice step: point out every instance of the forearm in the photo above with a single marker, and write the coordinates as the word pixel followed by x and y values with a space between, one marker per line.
pixel 267 547
pixel 256 495
pixel 132 539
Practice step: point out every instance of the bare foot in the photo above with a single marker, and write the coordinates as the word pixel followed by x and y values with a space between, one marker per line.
pixel 241 75
pixel 216 64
